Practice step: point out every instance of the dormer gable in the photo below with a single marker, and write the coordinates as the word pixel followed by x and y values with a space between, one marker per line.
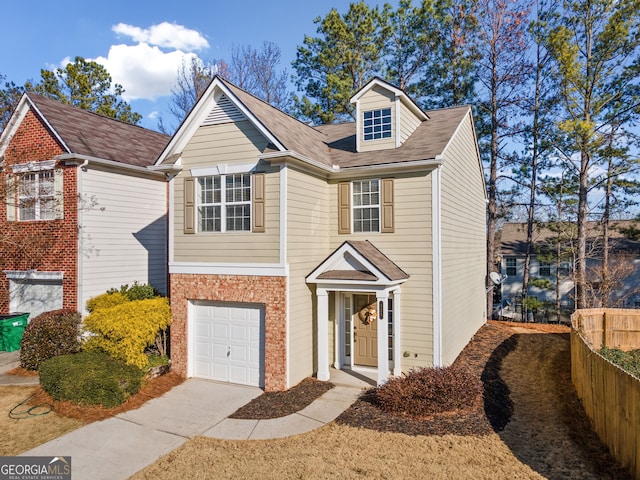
pixel 385 116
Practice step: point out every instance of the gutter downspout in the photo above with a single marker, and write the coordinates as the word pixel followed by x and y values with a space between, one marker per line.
pixel 436 240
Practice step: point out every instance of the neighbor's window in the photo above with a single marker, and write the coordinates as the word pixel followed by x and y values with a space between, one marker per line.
pixel 36 196
pixel 224 203
pixel 377 124
pixel 366 205
pixel 544 269
pixel 511 266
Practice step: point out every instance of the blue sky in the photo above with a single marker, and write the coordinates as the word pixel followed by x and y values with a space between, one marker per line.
pixel 142 43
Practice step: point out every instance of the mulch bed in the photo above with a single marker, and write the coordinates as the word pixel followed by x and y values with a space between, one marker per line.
pixel 280 404
pixel 91 413
pixel 483 357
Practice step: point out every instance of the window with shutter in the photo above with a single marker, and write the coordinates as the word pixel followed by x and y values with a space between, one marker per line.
pixel 365 206
pixel 224 203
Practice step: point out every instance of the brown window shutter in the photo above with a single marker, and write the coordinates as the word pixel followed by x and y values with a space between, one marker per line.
pixel 258 196
pixel 344 207
pixel 387 205
pixel 189 205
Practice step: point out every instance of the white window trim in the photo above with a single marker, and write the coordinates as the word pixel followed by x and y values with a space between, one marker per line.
pixel 354 207
pixel 382 137
pixel 33 275
pixel 34 166
pixel 38 196
pixel 223 203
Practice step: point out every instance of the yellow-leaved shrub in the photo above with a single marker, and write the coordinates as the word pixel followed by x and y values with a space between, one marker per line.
pixel 106 300
pixel 126 329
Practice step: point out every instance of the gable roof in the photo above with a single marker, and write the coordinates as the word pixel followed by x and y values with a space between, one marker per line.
pixel 623 236
pixel 331 147
pixel 85 133
pixel 358 261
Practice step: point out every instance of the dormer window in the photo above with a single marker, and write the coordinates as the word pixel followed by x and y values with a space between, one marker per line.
pixel 377 124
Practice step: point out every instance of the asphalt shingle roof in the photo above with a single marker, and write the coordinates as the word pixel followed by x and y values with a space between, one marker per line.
pixel 90 134
pixel 335 144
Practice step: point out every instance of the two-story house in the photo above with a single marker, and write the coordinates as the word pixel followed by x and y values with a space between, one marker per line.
pixel 551 272
pixel 80 212
pixel 294 248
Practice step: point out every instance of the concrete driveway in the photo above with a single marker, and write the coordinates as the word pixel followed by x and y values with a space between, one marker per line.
pixel 118 447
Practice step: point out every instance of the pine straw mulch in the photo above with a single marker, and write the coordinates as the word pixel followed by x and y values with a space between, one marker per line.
pixel 483 355
pixel 92 413
pixel 280 404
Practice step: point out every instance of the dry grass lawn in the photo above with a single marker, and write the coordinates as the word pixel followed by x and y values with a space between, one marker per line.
pixel 541 440
pixel 27 432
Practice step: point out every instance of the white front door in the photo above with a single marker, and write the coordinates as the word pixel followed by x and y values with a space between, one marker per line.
pixel 227 343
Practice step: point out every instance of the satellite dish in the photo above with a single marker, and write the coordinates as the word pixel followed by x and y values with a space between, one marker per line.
pixel 496 278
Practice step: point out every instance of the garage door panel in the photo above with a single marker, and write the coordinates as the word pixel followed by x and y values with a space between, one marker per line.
pixel 227 343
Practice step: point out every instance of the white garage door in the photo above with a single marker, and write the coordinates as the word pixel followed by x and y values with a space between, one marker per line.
pixel 34 292
pixel 227 343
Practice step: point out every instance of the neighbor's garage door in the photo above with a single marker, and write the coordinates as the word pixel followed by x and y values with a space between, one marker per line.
pixel 227 343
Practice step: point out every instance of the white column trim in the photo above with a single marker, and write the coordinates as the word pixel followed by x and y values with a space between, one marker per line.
pixel 436 262
pixel 323 334
pixel 383 336
pixel 397 355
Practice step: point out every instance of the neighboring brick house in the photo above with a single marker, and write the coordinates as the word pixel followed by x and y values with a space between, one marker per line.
pixel 295 248
pixel 81 212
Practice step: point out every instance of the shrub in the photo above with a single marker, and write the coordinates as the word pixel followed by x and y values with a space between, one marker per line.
pixel 106 300
pixel 428 391
pixel 48 335
pixel 90 378
pixel 138 291
pixel 628 361
pixel 124 331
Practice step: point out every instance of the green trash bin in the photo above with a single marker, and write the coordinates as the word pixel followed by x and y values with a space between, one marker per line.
pixel 11 329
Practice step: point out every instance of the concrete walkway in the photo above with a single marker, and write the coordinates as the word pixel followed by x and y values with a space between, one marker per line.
pixel 9 361
pixel 118 447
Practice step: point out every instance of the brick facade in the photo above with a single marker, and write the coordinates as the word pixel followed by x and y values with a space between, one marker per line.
pixel 269 292
pixel 49 245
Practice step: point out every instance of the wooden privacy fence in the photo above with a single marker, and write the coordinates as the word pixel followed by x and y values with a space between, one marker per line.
pixel 610 396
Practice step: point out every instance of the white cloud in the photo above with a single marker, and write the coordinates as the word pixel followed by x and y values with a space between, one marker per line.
pixel 148 69
pixel 165 35
pixel 145 71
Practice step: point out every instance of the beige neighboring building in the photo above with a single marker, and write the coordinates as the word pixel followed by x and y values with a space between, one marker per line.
pixel 294 249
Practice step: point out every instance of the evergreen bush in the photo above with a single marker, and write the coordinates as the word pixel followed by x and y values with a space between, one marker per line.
pixel 106 300
pixel 137 291
pixel 125 330
pixel 90 378
pixel 48 335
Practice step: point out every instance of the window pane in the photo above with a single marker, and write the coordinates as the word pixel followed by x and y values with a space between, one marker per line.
pixel 238 218
pixel 209 219
pixel 377 124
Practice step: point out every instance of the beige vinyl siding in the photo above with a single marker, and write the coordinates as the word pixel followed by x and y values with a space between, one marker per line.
pixel 123 232
pixel 227 144
pixel 375 99
pixel 463 243
pixel 410 247
pixel 308 245
pixel 408 123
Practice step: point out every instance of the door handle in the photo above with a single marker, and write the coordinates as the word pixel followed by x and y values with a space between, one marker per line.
pixel 228 351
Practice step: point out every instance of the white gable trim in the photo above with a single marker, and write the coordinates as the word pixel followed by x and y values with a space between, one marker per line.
pixel 15 121
pixel 201 111
pixel 396 91
pixel 347 258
